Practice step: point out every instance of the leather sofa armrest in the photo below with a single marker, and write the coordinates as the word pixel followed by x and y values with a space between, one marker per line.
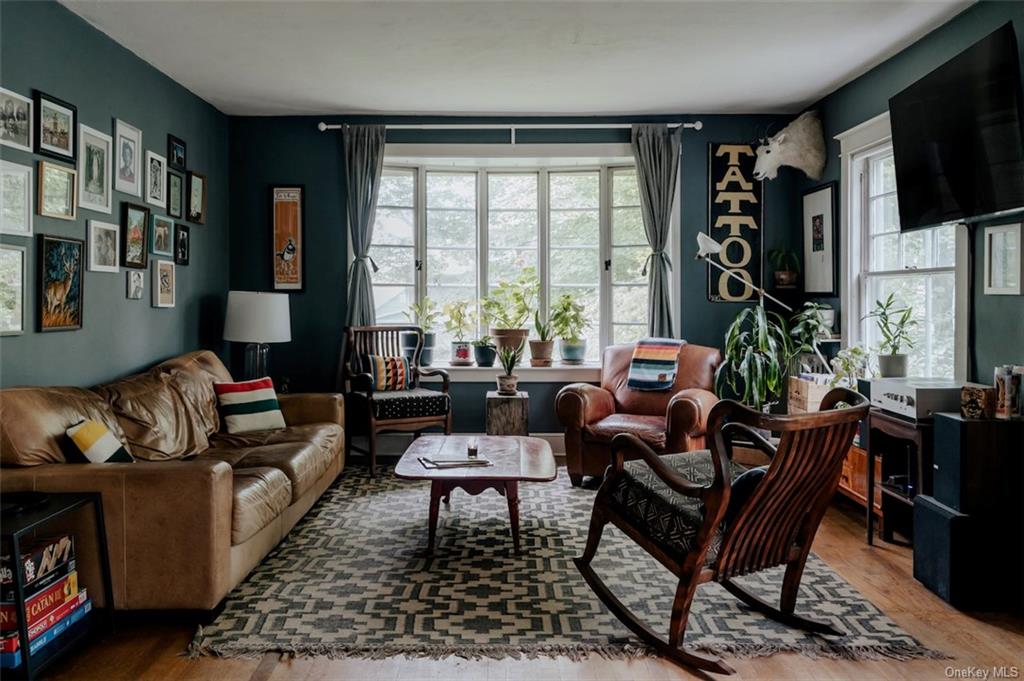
pixel 168 526
pixel 687 417
pixel 580 404
pixel 300 408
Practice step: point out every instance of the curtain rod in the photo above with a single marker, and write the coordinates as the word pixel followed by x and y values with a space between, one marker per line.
pixel 695 125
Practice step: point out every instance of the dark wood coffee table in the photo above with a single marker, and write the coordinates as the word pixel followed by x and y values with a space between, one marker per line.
pixel 516 459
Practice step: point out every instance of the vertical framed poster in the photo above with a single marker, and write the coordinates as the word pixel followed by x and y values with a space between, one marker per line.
pixel 735 220
pixel 288 237
pixel 819 236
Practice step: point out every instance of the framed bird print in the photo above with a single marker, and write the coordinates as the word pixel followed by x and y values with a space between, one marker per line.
pixel 288 230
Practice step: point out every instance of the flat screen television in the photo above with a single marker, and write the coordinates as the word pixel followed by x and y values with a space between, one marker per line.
pixel 958 137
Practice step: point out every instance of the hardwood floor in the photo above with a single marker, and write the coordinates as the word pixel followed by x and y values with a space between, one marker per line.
pixel 153 650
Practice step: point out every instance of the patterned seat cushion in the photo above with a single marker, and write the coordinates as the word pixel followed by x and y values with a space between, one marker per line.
pixel 407 404
pixel 671 519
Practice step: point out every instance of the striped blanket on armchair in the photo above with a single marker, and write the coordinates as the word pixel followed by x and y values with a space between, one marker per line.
pixel 654 364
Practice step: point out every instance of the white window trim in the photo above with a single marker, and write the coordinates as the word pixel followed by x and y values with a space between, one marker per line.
pixel 856 144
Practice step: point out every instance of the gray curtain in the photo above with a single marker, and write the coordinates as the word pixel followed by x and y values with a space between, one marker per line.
pixel 656 152
pixel 363 147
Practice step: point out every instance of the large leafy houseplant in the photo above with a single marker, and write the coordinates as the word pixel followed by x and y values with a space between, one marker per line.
pixel 894 323
pixel 808 327
pixel 568 320
pixel 509 305
pixel 758 350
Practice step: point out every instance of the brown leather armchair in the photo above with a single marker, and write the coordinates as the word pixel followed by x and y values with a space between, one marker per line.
pixel 672 420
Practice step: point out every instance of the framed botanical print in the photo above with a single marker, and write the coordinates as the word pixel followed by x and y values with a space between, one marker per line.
pixel 60 294
pixel 161 240
pixel 104 247
pixel 288 237
pixel 176 152
pixel 135 282
pixel 94 169
pixel 196 197
pixel 134 236
pixel 175 194
pixel 156 180
pixel 15 199
pixel 15 120
pixel 820 230
pixel 56 127
pixel 12 289
pixel 163 283
pixel 182 244
pixel 57 191
pixel 127 158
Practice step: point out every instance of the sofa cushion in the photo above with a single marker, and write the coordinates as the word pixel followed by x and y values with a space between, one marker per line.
pixel 302 462
pixel 260 495
pixel 650 429
pixel 327 436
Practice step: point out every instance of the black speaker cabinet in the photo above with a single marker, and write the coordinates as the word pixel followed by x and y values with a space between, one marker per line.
pixel 978 466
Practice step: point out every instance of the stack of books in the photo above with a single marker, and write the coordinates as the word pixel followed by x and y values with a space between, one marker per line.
pixel 53 601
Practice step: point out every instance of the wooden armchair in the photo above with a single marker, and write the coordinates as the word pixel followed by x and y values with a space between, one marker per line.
pixel 411 410
pixel 678 508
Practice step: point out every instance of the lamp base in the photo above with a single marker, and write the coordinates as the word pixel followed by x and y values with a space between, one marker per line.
pixel 257 361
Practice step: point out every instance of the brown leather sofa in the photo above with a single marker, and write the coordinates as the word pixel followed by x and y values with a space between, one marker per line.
pixel 672 420
pixel 200 508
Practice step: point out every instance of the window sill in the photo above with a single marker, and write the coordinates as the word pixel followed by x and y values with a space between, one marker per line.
pixel 558 373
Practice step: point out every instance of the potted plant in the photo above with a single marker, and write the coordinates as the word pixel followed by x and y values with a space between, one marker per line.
pixel 810 325
pixel 508 382
pixel 425 315
pixel 786 264
pixel 568 322
pixel 541 347
pixel 894 324
pixel 757 354
pixel 459 322
pixel 484 351
pixel 848 365
pixel 508 306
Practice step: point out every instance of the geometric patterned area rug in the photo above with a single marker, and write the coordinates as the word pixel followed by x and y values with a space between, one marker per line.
pixel 352 580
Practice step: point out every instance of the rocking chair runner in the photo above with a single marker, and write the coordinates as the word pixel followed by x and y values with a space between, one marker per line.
pixel 677 507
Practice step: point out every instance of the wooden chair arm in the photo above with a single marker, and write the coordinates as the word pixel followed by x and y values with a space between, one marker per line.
pixel 362 383
pixel 445 379
pixel 624 442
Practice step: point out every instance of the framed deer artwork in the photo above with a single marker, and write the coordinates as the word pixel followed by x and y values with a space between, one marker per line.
pixel 61 262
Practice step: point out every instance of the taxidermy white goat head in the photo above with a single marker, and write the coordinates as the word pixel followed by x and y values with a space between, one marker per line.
pixel 801 144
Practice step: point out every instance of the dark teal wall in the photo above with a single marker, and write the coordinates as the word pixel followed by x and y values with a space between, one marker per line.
pixel 999 320
pixel 44 46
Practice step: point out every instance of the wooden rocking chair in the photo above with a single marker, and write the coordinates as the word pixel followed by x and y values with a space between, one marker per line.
pixel 677 507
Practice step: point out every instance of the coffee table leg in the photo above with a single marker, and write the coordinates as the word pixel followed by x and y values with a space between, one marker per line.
pixel 436 492
pixel 512 496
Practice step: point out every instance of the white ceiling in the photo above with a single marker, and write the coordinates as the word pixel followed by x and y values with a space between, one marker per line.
pixel 289 57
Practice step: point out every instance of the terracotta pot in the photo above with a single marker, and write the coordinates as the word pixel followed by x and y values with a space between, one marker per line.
pixel 892 366
pixel 462 353
pixel 785 278
pixel 540 352
pixel 507 385
pixel 509 338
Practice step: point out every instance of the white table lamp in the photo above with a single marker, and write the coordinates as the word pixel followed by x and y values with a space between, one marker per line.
pixel 257 318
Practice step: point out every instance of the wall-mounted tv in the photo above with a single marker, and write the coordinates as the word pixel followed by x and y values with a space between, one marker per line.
pixel 958 136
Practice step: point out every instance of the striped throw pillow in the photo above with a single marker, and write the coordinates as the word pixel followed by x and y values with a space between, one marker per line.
pixel 97 444
pixel 249 406
pixel 389 373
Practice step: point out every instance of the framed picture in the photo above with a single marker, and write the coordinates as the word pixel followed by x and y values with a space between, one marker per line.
pixel 182 245
pixel 156 180
pixel 136 282
pixel 104 245
pixel 94 169
pixel 161 241
pixel 196 197
pixel 176 153
pixel 57 191
pixel 1003 272
pixel 134 236
pixel 127 158
pixel 56 127
pixel 175 194
pixel 60 296
pixel 15 199
pixel 15 120
pixel 12 289
pixel 820 229
pixel 288 240
pixel 163 283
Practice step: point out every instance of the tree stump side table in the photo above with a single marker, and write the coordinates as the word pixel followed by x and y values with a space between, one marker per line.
pixel 508 414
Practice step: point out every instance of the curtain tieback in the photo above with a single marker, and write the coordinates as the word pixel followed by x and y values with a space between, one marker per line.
pixel 661 255
pixel 372 263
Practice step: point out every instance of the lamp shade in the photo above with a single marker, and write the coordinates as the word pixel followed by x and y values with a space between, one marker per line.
pixel 707 246
pixel 255 317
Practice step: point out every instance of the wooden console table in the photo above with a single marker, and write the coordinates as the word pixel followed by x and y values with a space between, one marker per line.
pixel 889 436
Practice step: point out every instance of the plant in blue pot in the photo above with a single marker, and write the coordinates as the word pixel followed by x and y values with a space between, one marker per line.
pixel 568 322
pixel 426 315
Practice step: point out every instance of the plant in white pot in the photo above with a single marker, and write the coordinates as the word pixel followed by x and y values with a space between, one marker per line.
pixel 507 307
pixel 508 382
pixel 568 323
pixel 458 323
pixel 426 316
pixel 541 347
pixel 894 324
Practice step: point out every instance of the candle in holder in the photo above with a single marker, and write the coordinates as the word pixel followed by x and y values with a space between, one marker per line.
pixel 471 448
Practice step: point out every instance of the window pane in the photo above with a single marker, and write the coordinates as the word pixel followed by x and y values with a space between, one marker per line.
pixel 392 302
pixel 885 252
pixel 622 333
pixel 397 188
pixel 932 299
pixel 505 263
pixel 628 264
pixel 588 296
pixel 513 229
pixel 916 249
pixel 575 266
pixel 451 266
pixel 883 175
pixel 945 246
pixel 394 263
pixel 394 226
pixel 575 190
pixel 451 228
pixel 628 227
pixel 629 304
pixel 512 191
pixel 576 227
pixel 941 349
pixel 885 215
pixel 624 188
pixel 451 190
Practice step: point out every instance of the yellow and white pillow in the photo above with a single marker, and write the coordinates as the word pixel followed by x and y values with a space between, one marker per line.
pixel 97 444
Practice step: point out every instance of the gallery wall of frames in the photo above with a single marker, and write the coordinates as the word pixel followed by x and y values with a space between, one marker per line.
pixel 112 196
